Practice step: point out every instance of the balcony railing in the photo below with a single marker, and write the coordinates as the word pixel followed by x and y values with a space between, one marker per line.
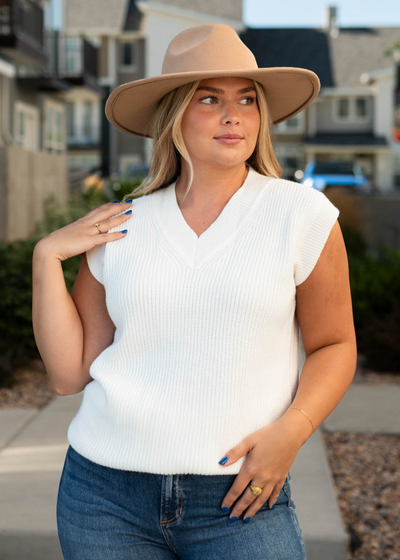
pixel 71 56
pixel 22 31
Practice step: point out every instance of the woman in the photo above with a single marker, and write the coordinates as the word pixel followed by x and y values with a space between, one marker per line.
pixel 182 326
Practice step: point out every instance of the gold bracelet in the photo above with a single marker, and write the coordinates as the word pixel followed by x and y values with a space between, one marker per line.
pixel 312 425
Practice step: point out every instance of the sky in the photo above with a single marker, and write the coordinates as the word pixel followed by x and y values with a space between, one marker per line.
pixel 310 13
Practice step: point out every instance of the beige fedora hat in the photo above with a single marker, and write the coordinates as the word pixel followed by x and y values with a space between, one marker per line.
pixel 209 51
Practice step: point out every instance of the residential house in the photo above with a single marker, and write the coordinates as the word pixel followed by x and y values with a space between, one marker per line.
pixel 116 27
pixel 352 116
pixel 37 72
pixel 32 111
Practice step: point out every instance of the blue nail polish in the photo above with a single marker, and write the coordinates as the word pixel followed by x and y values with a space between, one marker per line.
pixel 273 506
pixel 224 509
pixel 232 519
pixel 128 212
pixel 124 231
pixel 247 519
pixel 130 200
pixel 115 200
pixel 223 461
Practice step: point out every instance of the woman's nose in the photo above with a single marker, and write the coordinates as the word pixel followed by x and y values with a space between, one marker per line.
pixel 232 116
pixel 232 119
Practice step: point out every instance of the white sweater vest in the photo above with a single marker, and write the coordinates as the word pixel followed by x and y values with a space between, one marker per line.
pixel 205 350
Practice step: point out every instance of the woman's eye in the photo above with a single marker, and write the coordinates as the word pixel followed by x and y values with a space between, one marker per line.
pixel 251 98
pixel 205 98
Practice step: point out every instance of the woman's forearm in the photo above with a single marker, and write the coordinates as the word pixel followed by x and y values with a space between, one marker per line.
pixel 56 323
pixel 326 375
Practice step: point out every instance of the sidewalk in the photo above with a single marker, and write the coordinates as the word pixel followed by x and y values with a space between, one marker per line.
pixel 33 445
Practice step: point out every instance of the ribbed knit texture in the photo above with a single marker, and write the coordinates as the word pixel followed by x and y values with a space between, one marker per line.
pixel 205 350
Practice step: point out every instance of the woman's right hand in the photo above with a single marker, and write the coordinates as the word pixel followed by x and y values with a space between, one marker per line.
pixel 82 235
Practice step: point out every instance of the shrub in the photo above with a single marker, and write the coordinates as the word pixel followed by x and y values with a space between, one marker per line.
pixel 17 342
pixel 374 273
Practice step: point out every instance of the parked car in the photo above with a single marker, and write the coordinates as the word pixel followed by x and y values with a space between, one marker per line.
pixel 323 175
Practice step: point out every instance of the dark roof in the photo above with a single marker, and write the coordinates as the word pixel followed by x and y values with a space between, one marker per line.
pixel 133 17
pixel 337 61
pixel 347 138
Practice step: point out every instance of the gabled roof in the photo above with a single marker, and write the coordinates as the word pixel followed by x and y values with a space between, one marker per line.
pixel 337 61
pixel 84 15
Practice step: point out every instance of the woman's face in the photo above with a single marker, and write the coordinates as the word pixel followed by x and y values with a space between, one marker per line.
pixel 218 107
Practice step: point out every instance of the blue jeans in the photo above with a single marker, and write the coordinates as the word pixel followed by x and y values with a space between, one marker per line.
pixel 112 514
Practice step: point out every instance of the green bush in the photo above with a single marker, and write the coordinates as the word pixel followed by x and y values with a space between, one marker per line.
pixel 124 186
pixel 17 342
pixel 374 273
pixel 16 334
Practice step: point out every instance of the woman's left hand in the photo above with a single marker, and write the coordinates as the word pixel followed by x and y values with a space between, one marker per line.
pixel 271 452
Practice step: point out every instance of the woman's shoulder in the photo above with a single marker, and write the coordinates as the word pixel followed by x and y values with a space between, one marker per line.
pixel 299 195
pixel 298 202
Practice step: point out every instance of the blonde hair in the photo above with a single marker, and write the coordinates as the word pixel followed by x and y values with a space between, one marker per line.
pixel 169 147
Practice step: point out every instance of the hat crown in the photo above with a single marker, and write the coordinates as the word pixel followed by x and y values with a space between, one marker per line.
pixel 207 48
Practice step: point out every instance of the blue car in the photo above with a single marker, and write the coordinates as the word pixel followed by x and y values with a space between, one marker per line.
pixel 322 175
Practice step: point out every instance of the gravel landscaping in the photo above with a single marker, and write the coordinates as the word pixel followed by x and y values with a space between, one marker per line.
pixel 366 473
pixel 31 390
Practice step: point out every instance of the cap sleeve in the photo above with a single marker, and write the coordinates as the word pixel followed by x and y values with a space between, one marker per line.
pixel 95 260
pixel 313 236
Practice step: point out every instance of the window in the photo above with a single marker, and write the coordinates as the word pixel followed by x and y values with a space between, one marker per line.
pixel 54 137
pixel 70 119
pixel 88 120
pixel 335 168
pixel 343 109
pixel 26 126
pixel 350 109
pixel 73 55
pixel 293 122
pixel 292 162
pixel 361 107
pixel 293 125
pixel 128 54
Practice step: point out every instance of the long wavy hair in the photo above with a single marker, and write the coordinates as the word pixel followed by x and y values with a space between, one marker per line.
pixel 169 147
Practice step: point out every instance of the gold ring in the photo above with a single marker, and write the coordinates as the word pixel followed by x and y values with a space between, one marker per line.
pixel 255 489
pixel 97 225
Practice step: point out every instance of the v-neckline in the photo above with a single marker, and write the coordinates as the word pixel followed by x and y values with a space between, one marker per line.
pixel 181 241
pixel 219 215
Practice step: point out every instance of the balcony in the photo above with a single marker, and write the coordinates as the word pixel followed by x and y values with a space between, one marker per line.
pixel 22 32
pixel 73 59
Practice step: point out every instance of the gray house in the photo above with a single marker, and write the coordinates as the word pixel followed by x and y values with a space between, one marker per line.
pixel 115 27
pixel 33 161
pixel 352 116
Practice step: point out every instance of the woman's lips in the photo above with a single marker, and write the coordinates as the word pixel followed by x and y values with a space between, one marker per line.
pixel 229 140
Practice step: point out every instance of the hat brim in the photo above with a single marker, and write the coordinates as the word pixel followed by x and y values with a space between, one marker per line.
pixel 288 90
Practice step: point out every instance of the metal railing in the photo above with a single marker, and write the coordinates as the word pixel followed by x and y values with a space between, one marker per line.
pixel 71 56
pixel 22 18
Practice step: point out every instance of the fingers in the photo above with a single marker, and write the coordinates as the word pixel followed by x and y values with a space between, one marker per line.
pixel 110 215
pixel 248 502
pixel 108 210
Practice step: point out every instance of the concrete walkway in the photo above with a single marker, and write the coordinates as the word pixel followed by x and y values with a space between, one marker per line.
pixel 33 445
pixel 371 409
